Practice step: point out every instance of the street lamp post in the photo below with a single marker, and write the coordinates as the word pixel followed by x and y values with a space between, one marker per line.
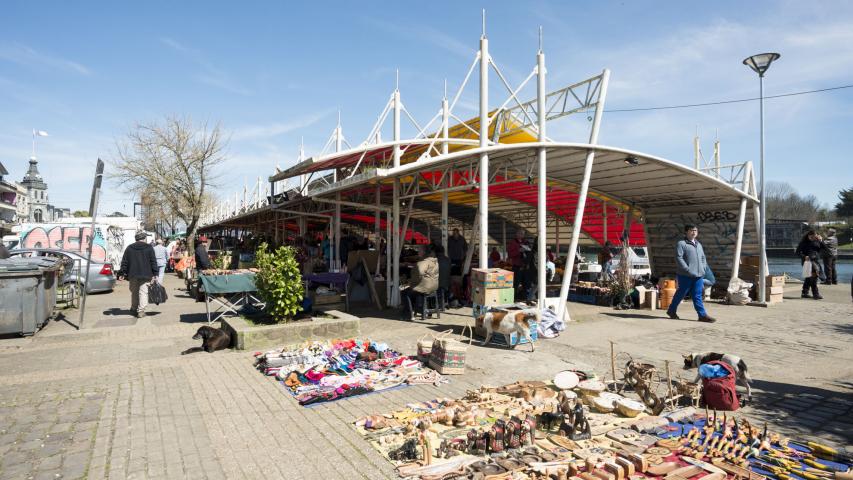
pixel 759 64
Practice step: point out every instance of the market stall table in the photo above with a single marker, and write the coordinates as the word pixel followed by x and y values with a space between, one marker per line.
pixel 230 291
pixel 336 280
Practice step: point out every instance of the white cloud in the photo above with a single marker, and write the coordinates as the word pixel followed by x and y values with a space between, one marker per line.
pixel 274 129
pixel 24 55
pixel 210 74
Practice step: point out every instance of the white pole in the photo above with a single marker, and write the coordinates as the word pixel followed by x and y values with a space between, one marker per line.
pixel 444 205
pixel 393 252
pixel 543 178
pixel 396 128
pixel 762 239
pixel 484 157
pixel 739 239
pixel 587 173
pixel 445 122
pixel 696 163
pixel 717 157
pixel 388 263
pixel 377 215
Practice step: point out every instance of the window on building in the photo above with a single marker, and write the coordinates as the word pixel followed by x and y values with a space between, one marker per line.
pixel 37 216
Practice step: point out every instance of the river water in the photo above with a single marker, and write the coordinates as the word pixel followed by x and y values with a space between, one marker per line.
pixel 792 267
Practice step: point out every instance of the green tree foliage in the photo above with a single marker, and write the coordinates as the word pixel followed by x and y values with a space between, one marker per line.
pixel 80 214
pixel 844 208
pixel 279 281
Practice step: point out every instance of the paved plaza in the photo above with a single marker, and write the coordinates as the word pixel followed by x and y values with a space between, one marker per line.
pixel 117 400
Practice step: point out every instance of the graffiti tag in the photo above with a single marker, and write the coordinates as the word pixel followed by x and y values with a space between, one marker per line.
pixel 720 216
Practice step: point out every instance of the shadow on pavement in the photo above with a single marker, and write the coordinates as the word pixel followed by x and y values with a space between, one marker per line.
pixel 808 409
pixel 118 311
pixel 194 317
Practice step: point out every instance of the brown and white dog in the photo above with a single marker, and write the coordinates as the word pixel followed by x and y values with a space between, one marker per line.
pixel 508 322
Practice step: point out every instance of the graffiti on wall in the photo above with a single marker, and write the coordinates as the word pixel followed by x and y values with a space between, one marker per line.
pixel 71 238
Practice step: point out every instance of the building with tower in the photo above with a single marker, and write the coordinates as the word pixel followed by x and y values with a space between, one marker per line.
pixel 36 193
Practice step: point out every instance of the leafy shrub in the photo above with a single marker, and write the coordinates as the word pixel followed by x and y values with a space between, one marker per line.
pixel 279 281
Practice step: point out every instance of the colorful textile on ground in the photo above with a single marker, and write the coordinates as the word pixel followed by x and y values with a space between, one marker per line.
pixel 325 371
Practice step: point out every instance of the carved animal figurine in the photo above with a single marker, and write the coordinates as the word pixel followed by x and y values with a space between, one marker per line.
pixel 580 425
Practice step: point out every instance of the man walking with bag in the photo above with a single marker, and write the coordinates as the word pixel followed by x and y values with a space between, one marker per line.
pixel 690 265
pixel 139 266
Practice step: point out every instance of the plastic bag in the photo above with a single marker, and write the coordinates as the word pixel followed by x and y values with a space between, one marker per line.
pixel 156 293
pixel 807 268
pixel 738 292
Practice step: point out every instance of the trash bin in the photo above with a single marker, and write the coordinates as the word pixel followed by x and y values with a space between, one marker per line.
pixel 27 294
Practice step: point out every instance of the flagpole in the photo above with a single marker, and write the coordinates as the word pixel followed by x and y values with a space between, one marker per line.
pixel 34 143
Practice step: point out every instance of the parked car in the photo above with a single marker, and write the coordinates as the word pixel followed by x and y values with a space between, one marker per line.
pixel 101 276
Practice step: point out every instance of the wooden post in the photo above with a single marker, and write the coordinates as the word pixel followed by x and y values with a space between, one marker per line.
pixel 613 362
pixel 669 382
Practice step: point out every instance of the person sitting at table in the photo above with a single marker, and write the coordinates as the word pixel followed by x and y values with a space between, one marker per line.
pixel 202 259
pixel 423 281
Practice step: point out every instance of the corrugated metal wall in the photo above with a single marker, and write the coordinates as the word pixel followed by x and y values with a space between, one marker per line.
pixel 717 225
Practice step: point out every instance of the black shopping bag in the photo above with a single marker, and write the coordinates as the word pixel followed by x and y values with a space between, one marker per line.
pixel 156 293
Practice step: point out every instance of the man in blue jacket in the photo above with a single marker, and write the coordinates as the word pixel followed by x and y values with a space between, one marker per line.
pixel 690 266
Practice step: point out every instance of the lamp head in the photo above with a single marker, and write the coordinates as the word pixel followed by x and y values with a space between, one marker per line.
pixel 761 62
pixel 632 161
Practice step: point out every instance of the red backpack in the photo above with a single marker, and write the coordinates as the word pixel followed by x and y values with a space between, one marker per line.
pixel 719 393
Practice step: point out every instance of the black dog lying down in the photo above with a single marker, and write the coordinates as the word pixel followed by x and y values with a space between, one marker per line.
pixel 212 339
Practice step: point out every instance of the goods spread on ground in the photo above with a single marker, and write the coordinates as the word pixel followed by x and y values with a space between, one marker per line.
pixel 326 371
pixel 219 271
pixel 573 428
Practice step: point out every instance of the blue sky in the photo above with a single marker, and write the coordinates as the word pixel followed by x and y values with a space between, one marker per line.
pixel 86 71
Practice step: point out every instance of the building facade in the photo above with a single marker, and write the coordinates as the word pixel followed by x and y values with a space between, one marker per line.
pixel 36 193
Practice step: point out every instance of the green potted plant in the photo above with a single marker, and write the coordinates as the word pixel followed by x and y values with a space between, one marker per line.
pixel 279 281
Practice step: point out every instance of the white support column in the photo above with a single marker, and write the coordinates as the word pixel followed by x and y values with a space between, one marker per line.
pixel 696 150
pixel 389 299
pixel 397 127
pixel 469 254
pixel 377 216
pixel 748 182
pixel 587 173
pixel 484 157
pixel 717 158
pixel 445 122
pixel 393 252
pixel 739 238
pixel 444 207
pixel 503 239
pixel 542 209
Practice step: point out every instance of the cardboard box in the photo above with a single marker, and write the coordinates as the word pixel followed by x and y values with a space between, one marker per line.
pixel 492 296
pixel 491 278
pixel 511 339
pixel 774 290
pixel 751 260
pixel 775 298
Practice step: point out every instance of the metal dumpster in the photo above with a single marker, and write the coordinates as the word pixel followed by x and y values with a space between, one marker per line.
pixel 27 294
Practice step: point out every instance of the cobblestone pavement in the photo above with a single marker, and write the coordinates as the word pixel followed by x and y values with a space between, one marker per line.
pixel 116 399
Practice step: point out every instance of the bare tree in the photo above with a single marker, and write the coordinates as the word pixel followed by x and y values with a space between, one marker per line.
pixel 174 161
pixel 784 203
